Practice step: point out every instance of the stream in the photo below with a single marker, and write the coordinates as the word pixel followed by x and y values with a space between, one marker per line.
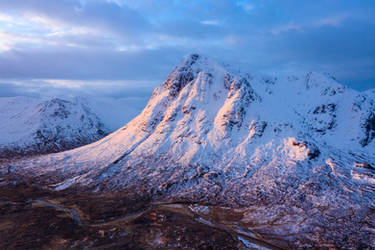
pixel 74 212
pixel 248 239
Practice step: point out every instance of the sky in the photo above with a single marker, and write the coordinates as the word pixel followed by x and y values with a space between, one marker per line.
pixel 125 48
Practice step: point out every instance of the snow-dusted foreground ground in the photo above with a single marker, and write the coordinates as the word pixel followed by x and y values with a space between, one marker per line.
pixel 293 157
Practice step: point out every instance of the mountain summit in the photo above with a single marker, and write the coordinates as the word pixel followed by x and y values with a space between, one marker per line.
pixel 38 126
pixel 294 155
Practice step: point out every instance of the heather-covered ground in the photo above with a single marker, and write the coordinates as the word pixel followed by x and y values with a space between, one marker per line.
pixel 33 218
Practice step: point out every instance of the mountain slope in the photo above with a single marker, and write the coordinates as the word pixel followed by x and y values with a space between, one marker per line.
pixel 34 126
pixel 294 156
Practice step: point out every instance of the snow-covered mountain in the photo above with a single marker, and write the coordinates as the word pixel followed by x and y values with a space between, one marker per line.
pixel 295 156
pixel 37 126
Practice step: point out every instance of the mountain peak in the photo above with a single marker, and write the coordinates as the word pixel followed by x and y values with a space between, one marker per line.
pixel 198 68
pixel 185 72
pixel 192 59
pixel 210 134
pixel 200 62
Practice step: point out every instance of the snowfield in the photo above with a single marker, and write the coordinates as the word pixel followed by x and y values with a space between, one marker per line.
pixel 295 155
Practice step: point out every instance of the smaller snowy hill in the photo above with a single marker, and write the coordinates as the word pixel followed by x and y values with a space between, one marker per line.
pixel 34 126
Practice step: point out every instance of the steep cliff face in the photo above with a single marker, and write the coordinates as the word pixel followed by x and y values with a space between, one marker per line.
pixel 294 155
pixel 32 126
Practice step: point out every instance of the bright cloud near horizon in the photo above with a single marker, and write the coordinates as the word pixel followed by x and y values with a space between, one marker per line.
pixel 61 44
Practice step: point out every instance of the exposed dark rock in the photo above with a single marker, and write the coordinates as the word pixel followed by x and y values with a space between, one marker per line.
pixel 364 165
pixel 369 130
pixel 258 127
pixel 322 118
pixel 181 75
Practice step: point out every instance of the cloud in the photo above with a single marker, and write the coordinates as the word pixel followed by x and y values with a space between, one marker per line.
pixel 210 22
pixel 286 27
pixel 333 21
pixel 245 5
pixel 67 87
pixel 134 40
pixel 76 63
pixel 330 21
pixel 93 18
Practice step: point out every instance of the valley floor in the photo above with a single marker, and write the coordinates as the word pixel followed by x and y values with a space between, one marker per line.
pixel 34 218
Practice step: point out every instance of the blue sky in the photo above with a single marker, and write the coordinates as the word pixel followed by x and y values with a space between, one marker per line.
pixel 127 47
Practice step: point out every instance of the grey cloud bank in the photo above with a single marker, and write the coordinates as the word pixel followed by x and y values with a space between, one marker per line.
pixel 141 41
